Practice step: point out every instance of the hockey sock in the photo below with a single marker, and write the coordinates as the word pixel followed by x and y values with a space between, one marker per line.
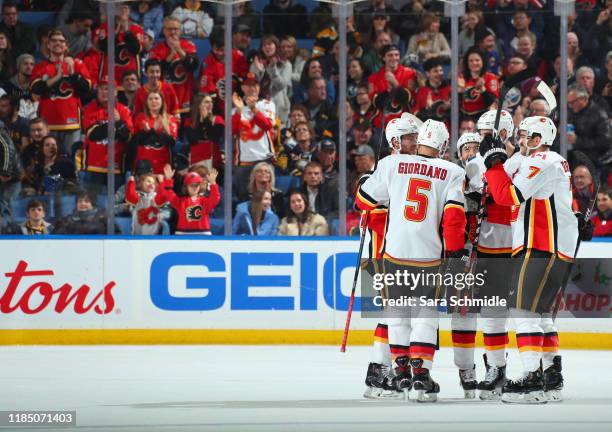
pixel 495 334
pixel 464 339
pixel 399 337
pixel 529 338
pixel 550 347
pixel 424 336
pixel 380 349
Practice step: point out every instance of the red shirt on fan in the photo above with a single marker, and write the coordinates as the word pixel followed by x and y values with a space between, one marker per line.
pixel 95 145
pixel 127 51
pixel 179 71
pixel 167 91
pixel 59 105
pixel 405 77
pixel 438 97
pixel 212 74
pixel 204 140
pixel 155 144
pixel 475 102
pixel 193 212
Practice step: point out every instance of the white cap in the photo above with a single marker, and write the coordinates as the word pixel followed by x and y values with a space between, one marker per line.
pixel 433 134
pixel 487 121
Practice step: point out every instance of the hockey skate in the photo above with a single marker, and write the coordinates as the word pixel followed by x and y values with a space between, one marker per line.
pixel 467 379
pixel 402 381
pixel 553 381
pixel 379 385
pixel 422 382
pixel 491 387
pixel 528 389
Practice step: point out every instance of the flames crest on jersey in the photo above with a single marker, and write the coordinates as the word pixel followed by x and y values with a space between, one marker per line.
pixel 194 213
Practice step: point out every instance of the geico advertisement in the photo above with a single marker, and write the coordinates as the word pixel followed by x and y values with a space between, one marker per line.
pixel 176 283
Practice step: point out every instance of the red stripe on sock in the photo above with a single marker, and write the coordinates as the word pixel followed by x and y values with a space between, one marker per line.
pixel 399 350
pixel 529 340
pixel 464 338
pixel 381 332
pixel 551 341
pixel 495 340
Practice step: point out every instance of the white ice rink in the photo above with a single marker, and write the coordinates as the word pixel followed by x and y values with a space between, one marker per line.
pixel 275 388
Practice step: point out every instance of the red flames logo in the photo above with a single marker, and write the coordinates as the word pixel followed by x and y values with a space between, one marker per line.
pixel 39 295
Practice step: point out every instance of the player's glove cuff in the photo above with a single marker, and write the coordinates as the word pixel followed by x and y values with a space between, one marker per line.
pixel 585 227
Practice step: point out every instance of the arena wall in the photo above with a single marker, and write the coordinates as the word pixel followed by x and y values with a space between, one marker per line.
pixel 121 290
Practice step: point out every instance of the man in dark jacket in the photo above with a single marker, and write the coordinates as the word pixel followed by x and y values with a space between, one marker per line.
pixel 21 35
pixel 322 198
pixel 592 132
pixel 10 169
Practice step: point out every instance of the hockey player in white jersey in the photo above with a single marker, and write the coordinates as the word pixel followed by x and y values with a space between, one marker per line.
pixel 401 134
pixel 544 236
pixel 425 193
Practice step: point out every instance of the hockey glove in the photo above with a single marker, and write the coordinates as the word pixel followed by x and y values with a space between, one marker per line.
pixel 493 151
pixel 455 261
pixel 585 227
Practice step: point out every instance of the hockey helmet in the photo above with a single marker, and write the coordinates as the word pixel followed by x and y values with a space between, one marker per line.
pixel 487 121
pixel 465 138
pixel 398 127
pixel 433 134
pixel 542 126
pixel 192 178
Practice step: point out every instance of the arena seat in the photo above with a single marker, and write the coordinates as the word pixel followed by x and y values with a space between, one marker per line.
pixel 216 226
pixel 124 224
pixel 37 19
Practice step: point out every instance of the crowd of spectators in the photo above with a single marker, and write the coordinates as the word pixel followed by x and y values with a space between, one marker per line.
pixel 170 88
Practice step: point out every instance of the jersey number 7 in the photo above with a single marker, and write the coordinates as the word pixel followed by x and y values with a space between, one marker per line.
pixel 417 211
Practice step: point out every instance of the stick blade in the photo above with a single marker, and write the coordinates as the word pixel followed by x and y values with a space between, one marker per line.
pixel 548 95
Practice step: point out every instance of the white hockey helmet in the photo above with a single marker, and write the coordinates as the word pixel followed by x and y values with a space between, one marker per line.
pixel 521 127
pixel 487 121
pixel 542 126
pixel 433 134
pixel 465 138
pixel 398 127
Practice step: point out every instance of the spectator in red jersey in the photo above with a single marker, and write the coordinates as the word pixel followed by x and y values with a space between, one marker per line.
pixel 153 72
pixel 253 123
pixel 195 22
pixel 193 209
pixel 129 39
pixel 179 61
pixel 432 100
pixel 95 144
pixel 59 81
pixel 212 72
pixel 156 133
pixel 602 219
pixel 204 133
pixel 478 89
pixel 392 78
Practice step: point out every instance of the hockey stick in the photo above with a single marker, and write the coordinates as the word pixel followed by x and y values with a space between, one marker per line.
pixel 363 234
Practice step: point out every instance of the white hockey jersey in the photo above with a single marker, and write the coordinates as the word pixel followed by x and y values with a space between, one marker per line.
pixel 255 143
pixel 542 188
pixel 424 194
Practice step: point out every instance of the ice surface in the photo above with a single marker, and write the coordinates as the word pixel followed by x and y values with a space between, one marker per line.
pixel 275 388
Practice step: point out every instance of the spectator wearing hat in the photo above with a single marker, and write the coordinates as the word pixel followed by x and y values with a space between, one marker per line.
pixel 193 208
pixel 478 89
pixel 21 35
pixel 59 82
pixel 153 72
pixel 377 8
pixel 195 22
pixel 381 23
pixel 285 17
pixel 322 197
pixel 430 42
pixel 95 145
pixel 326 156
pixel 179 61
pixel 253 120
pixel 300 220
pixel 241 40
pixel 322 114
pixel 129 39
pixel 364 159
pixel 86 218
pixel 269 66
pixel 303 152
pixel 18 87
pixel 432 101
pixel 393 81
pixel 362 133
pixel 148 14
pixel 35 223
pixel 212 72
